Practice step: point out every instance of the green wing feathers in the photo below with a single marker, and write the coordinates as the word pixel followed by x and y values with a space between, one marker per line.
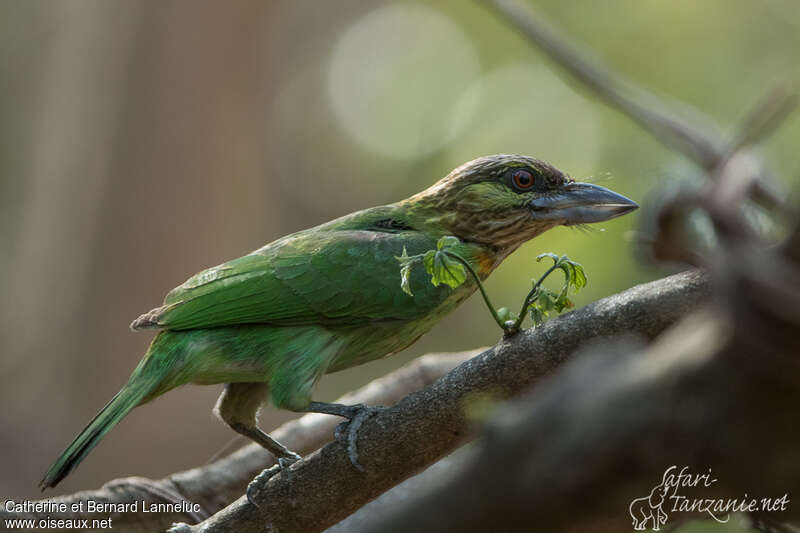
pixel 335 278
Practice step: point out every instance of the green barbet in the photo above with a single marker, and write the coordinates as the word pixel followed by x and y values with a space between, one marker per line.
pixel 271 323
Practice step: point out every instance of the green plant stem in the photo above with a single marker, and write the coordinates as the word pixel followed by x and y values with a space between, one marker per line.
pixel 531 295
pixel 515 327
pixel 486 299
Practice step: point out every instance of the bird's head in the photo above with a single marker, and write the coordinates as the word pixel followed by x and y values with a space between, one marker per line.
pixel 506 200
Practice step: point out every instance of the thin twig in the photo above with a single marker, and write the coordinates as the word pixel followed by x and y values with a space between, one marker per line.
pixel 765 117
pixel 643 107
pixel 706 148
pixel 529 298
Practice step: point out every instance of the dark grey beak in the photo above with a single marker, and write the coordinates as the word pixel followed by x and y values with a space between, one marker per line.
pixel 582 203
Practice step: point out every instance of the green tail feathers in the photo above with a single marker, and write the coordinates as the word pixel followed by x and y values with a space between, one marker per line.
pixel 140 385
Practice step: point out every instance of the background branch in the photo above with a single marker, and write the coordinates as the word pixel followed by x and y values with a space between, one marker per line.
pixel 665 122
pixel 605 407
pixel 652 114
pixel 716 393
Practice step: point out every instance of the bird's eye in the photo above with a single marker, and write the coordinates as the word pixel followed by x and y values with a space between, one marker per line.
pixel 522 179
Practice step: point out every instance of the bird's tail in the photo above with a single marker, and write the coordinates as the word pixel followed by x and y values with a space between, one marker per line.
pixel 145 380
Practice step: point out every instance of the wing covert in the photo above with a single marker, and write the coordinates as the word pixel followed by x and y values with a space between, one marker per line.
pixel 337 278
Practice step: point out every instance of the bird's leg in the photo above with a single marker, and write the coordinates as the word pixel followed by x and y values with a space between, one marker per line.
pixel 238 407
pixel 356 415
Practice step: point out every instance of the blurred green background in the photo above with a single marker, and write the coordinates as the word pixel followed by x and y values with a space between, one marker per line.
pixel 141 142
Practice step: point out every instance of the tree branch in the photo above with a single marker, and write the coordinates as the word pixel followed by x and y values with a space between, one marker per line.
pixel 396 443
pixel 641 106
pixel 718 392
pixel 627 410
pixel 571 457
pixel 215 485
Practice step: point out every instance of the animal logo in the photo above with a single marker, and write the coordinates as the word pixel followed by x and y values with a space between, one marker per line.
pixel 650 509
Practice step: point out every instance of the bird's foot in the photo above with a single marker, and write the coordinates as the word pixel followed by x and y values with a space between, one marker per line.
pixel 356 415
pixel 347 431
pixel 261 479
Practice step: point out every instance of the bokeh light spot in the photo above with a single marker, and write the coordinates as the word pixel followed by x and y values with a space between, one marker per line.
pixel 395 76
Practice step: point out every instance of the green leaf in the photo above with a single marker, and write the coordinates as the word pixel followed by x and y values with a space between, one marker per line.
pixel 406 263
pixel 562 302
pixel 439 263
pixel 405 279
pixel 445 266
pixel 537 315
pixel 505 314
pixel 444 269
pixel 573 272
pixel 427 260
pixel 551 255
pixel 580 277
pixel 404 257
pixel 546 300
pixel 448 241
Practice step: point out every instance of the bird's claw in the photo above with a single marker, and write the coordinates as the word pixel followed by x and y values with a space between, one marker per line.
pixel 261 479
pixel 254 486
pixel 360 414
pixel 290 459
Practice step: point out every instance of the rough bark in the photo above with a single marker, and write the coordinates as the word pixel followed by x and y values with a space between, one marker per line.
pixel 398 442
pixel 215 485
pixel 717 393
pixel 324 487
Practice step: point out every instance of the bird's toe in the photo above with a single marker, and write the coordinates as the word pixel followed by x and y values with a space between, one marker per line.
pixel 260 480
pixel 352 428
